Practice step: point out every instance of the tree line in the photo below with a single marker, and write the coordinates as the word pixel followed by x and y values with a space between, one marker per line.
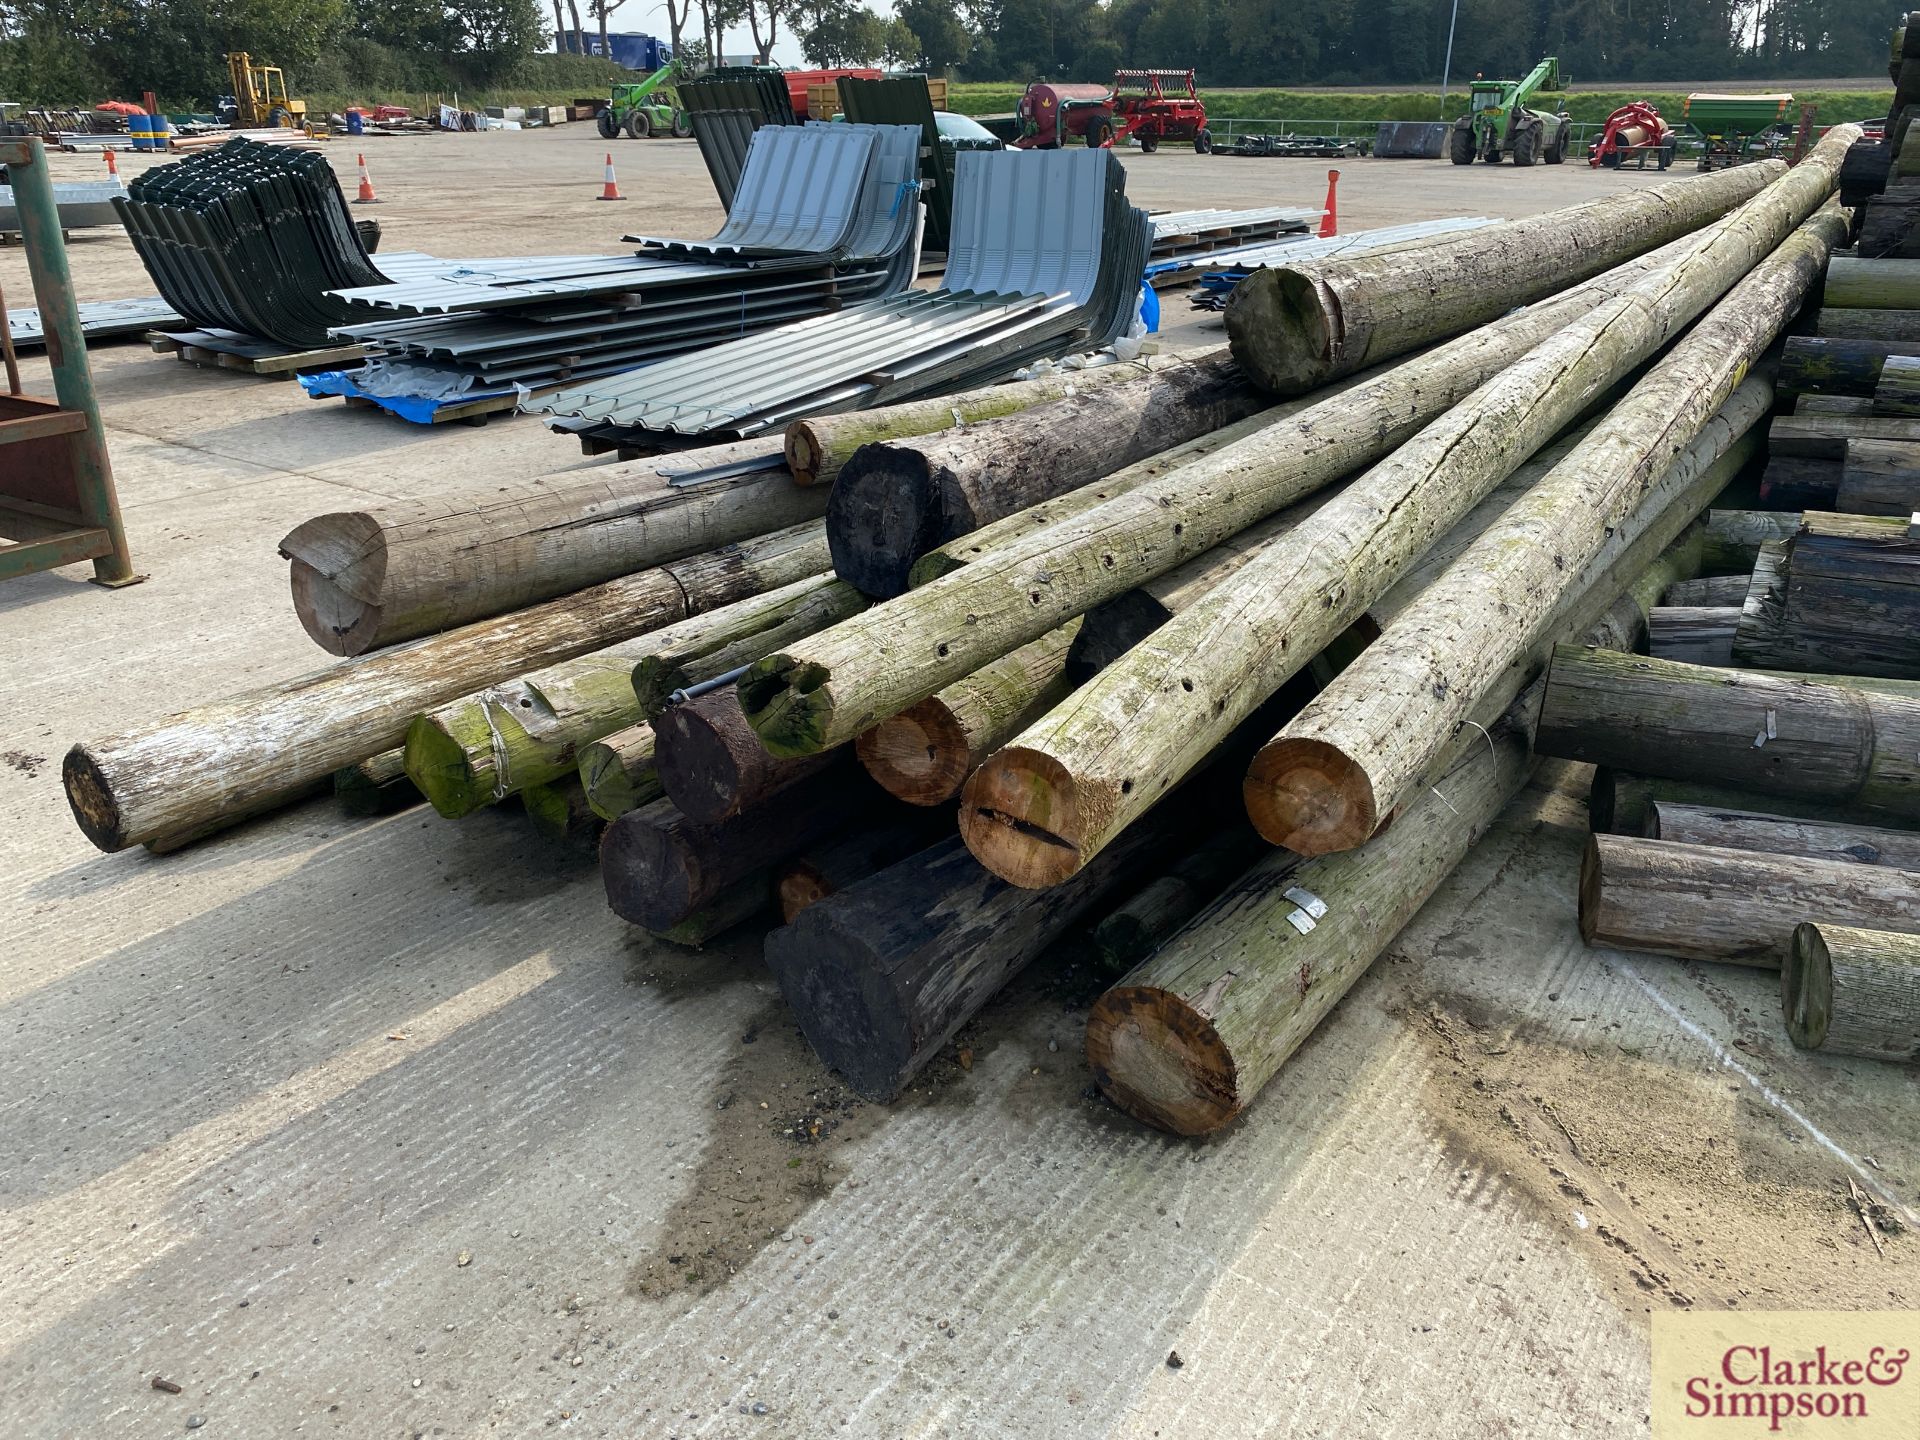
pixel 1294 43
pixel 68 49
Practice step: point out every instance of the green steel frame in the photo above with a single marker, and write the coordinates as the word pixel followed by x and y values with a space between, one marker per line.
pixel 57 501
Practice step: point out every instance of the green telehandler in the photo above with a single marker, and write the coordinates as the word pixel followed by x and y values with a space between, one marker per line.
pixel 1498 121
pixel 633 109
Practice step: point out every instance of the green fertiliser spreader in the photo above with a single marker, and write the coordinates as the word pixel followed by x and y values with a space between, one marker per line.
pixel 1738 128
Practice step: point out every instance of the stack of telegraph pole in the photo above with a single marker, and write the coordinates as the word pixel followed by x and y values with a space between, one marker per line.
pixel 1223 659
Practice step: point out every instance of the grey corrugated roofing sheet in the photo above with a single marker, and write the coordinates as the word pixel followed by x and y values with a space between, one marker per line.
pixel 1028 222
pixel 541 325
pixel 903 100
pixel 797 196
pixel 1056 223
pixel 98 319
pixel 1305 249
pixel 723 137
pixel 888 201
pixel 487 289
pixel 764 94
pixel 1197 222
pixel 81 203
pixel 720 386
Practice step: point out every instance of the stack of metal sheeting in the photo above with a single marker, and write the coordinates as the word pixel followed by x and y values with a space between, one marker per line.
pixel 1292 147
pixel 82 205
pixel 1412 139
pixel 1183 239
pixel 99 320
pixel 249 237
pixel 726 110
pixel 1045 261
pixel 825 218
pixel 904 100
pixel 1221 271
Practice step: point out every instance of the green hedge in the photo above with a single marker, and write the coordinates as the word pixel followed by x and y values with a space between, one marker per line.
pixel 1591 106
pixel 51 71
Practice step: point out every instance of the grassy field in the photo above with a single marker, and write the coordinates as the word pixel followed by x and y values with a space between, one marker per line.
pixel 1307 106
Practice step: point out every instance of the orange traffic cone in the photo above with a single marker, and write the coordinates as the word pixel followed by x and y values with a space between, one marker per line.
pixel 609 188
pixel 366 195
pixel 113 169
pixel 1330 217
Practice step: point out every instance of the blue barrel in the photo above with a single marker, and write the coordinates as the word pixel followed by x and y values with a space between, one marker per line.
pixel 159 132
pixel 140 131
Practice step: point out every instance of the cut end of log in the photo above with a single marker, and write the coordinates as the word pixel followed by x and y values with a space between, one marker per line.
pixel 91 796
pixel 638 844
pixel 799 889
pixel 440 768
pixel 1618 804
pixel 1021 816
pixel 803 453
pixel 338 623
pixel 1806 988
pixel 1309 797
pixel 615 783
pixel 560 815
pixel 654 679
pixel 1159 1059
pixel 1591 889
pixel 850 1015
pixel 697 768
pixel 787 705
pixel 919 756
pixel 1281 332
pixel 884 514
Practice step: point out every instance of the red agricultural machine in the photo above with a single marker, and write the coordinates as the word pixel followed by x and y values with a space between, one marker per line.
pixel 1147 106
pixel 1154 105
pixel 1051 115
pixel 1633 132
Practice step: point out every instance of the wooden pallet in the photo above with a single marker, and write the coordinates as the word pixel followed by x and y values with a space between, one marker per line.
pixel 217 350
pixel 468 412
pixel 471 412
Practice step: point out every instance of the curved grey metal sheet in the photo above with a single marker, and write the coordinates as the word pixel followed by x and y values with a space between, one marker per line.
pixel 798 194
pixel 1030 221
pixel 889 195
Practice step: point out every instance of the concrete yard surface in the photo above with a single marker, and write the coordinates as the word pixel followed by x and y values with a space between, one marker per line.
pixel 390 1128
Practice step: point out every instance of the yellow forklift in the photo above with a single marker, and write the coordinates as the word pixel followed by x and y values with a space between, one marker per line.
pixel 259 100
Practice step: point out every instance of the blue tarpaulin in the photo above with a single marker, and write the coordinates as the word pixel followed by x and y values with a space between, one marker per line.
pixel 416 408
